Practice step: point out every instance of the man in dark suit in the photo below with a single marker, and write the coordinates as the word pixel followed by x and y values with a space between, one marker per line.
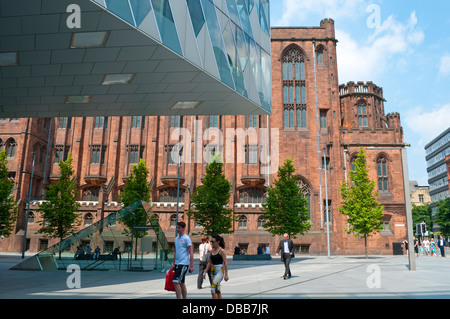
pixel 441 245
pixel 286 247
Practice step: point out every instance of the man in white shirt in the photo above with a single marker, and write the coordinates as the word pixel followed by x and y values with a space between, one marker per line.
pixel 287 247
pixel 183 260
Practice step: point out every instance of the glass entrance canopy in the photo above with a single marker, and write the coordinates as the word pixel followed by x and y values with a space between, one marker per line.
pixel 147 250
pixel 134 57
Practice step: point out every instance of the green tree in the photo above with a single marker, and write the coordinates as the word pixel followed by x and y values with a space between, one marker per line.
pixel 364 213
pixel 286 209
pixel 443 216
pixel 422 213
pixel 211 199
pixel 137 187
pixel 8 206
pixel 59 211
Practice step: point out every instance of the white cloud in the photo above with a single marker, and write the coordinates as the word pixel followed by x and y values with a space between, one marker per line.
pixel 444 69
pixel 391 42
pixel 427 124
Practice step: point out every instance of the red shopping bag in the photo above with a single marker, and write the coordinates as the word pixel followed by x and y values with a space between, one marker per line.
pixel 169 280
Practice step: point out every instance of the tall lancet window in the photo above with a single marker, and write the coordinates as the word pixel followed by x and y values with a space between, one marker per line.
pixel 294 89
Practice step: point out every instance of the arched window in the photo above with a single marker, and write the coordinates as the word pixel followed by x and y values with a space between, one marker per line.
pixel 169 195
pixel 31 218
pixel 252 195
pixel 242 221
pixel 91 193
pixel 319 54
pixel 261 222
pixel 362 115
pixel 294 91
pixel 88 219
pixel 173 220
pixel 10 147
pixel 382 174
pixel 306 191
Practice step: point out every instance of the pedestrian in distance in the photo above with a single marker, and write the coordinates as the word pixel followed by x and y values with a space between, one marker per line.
pixel 405 244
pixel 88 252
pixel 205 253
pixel 287 247
pixel 441 245
pixel 426 246
pixel 416 246
pixel 218 265
pixel 97 253
pixel 433 247
pixel 183 260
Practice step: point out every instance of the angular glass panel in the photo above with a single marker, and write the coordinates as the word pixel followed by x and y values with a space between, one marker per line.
pixel 166 25
pixel 115 251
pixel 240 45
pixel 266 71
pixel 264 18
pixel 245 20
pixel 196 13
pixel 121 8
pixel 250 5
pixel 233 13
pixel 215 35
pixel 140 8
pixel 233 59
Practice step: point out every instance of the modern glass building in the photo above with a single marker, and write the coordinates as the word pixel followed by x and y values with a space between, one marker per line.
pixel 436 151
pixel 134 57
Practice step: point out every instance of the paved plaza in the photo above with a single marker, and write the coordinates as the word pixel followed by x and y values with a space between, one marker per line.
pixel 313 277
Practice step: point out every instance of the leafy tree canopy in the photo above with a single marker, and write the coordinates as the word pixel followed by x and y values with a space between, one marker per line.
pixel 286 209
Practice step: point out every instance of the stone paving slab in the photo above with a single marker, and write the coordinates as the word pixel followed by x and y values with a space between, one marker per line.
pixel 314 277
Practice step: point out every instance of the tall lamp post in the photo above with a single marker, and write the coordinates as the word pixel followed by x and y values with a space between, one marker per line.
pixel 178 189
pixel 28 209
pixel 327 212
pixel 409 221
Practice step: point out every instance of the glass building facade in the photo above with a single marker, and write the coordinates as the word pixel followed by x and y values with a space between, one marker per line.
pixel 238 31
pixel 436 151
pixel 135 57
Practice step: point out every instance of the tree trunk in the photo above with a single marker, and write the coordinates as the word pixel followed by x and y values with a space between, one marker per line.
pixel 365 244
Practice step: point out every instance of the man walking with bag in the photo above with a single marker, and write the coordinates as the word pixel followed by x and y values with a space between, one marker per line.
pixel 183 260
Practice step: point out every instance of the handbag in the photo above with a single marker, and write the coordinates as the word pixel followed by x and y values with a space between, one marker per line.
pixel 169 280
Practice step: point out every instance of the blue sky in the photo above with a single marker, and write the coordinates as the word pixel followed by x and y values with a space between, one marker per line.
pixel 402 46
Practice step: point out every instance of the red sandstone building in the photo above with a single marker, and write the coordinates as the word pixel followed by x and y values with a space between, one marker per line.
pixel 314 119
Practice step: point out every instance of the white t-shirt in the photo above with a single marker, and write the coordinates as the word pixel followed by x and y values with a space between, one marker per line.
pixel 203 249
pixel 181 249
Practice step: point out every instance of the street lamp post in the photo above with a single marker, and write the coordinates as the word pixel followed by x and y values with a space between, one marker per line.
pixel 178 190
pixel 409 221
pixel 28 209
pixel 327 213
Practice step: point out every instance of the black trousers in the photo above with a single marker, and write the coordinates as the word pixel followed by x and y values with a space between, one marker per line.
pixel 201 269
pixel 287 260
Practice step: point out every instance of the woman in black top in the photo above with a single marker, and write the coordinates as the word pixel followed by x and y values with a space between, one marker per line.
pixel 218 265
